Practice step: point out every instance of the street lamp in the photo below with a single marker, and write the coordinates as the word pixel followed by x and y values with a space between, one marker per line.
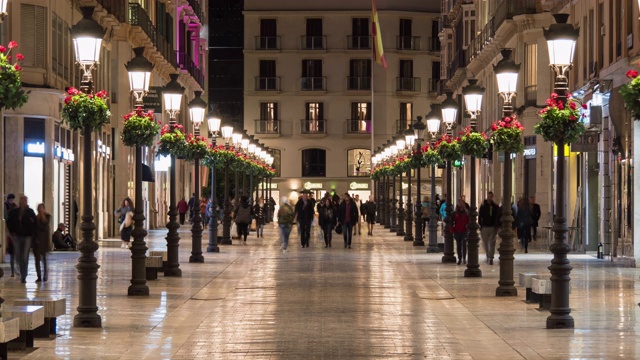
pixel 172 95
pixel 449 109
pixel 400 146
pixel 213 122
pixel 410 140
pixel 433 125
pixel 561 40
pixel 3 8
pixel 393 153
pixel 197 108
pixel 506 71
pixel 87 40
pixel 139 69
pixel 473 103
pixel 227 132
pixel 418 131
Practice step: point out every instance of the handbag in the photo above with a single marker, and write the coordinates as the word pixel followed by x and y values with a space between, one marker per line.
pixel 339 229
pixel 128 219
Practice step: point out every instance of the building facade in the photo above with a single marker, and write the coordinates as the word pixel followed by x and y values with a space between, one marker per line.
pixel 42 154
pixel 314 96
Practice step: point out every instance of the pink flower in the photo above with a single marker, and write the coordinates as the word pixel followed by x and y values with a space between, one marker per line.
pixel 12 44
pixel 554 96
pixel 19 56
pixel 2 49
pixel 572 105
pixel 572 118
pixel 17 67
pixel 560 105
pixel 584 106
pixel 67 100
pixel 632 74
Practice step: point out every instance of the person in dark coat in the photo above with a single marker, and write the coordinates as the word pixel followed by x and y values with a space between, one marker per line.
pixel 535 217
pixel 304 215
pixel 327 219
pixel 21 222
pixel 242 217
pixel 259 212
pixel 8 206
pixel 369 209
pixel 42 242
pixel 347 216
pixel 489 221
pixel 523 222
pixel 459 230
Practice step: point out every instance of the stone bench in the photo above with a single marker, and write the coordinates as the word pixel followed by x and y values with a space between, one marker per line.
pixel 161 253
pixel 9 330
pixel 524 280
pixel 541 286
pixel 152 265
pixel 31 317
pixel 52 309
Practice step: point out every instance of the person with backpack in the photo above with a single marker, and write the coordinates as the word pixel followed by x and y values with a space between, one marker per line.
pixel 285 221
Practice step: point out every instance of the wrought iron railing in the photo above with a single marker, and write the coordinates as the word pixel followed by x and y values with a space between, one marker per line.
pixel 408 84
pixel 313 83
pixel 139 17
pixel 357 126
pixel 358 83
pixel 267 126
pixel 313 126
pixel 358 42
pixel 186 62
pixel 314 42
pixel 434 44
pixel 408 42
pixel 117 8
pixel 268 83
pixel 267 42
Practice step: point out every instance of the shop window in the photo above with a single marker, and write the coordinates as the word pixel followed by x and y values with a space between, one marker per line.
pixel 358 162
pixel 314 163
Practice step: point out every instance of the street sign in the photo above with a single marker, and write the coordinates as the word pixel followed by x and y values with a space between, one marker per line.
pixel 153 100
pixel 588 142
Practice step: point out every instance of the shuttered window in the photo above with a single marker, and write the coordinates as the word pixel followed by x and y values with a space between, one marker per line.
pixel 33 37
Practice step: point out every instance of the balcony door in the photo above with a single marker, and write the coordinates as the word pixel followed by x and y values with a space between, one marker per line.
pixel 268 118
pixel 360 117
pixel 312 75
pixel 314 118
pixel 268 34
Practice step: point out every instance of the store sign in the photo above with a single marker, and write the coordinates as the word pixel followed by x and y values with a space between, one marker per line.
pixel 268 186
pixel 63 154
pixel 312 186
pixel 588 142
pixel 34 148
pixel 530 153
pixel 153 99
pixel 357 186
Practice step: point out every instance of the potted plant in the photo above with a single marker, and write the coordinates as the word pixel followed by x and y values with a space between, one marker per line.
pixel 218 155
pixel 560 121
pixel 473 143
pixel 449 148
pixel 140 128
pixel 196 147
pixel 12 95
pixel 631 94
pixel 507 135
pixel 172 142
pixel 430 155
pixel 82 109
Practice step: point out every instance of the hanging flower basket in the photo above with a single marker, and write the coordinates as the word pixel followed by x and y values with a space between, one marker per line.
pixel 631 94
pixel 431 156
pixel 402 164
pixel 560 122
pixel 449 148
pixel 172 142
pixel 473 143
pixel 12 95
pixel 82 109
pixel 217 156
pixel 507 135
pixel 196 147
pixel 140 128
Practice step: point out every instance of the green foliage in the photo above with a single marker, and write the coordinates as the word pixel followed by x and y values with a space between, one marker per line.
pixel 507 135
pixel 196 147
pixel 449 148
pixel 631 94
pixel 172 142
pixel 560 121
pixel 12 95
pixel 140 128
pixel 473 143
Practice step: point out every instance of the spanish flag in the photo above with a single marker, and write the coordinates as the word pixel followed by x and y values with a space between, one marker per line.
pixel 378 50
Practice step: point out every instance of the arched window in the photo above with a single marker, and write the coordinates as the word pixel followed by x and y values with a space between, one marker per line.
pixel 358 162
pixel 314 163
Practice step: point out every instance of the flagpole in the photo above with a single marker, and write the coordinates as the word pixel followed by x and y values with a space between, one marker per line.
pixel 373 60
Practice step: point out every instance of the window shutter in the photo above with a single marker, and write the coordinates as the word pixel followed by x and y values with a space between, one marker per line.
pixel 321 111
pixel 33 35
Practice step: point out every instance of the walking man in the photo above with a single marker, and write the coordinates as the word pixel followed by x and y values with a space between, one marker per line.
pixel 489 221
pixel 370 214
pixel 182 210
pixel 304 214
pixel 285 220
pixel 535 217
pixel 21 223
pixel 347 216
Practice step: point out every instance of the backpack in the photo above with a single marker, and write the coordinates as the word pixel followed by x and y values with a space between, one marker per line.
pixel 426 212
pixel 285 214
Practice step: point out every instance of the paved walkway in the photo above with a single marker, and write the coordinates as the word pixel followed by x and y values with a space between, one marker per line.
pixel 381 299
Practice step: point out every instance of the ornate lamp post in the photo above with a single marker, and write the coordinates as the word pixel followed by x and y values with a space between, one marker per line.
pixel 197 108
pixel 418 131
pixel 449 108
pixel 473 102
pixel 400 145
pixel 410 140
pixel 3 9
pixel 506 71
pixel 433 124
pixel 227 132
pixel 172 96
pixel 139 69
pixel 393 227
pixel 213 123
pixel 561 41
pixel 87 41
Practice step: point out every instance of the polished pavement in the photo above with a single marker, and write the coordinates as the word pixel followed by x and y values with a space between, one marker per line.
pixel 381 299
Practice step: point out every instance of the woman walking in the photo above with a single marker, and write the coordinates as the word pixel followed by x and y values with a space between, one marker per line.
pixel 42 242
pixel 523 221
pixel 259 213
pixel 459 230
pixel 242 217
pixel 125 220
pixel 327 219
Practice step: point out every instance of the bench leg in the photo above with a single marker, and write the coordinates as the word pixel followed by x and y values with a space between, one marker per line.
pixel 3 351
pixel 545 301
pixel 18 343
pixel 42 331
pixel 164 266
pixel 29 338
pixel 152 273
pixel 53 326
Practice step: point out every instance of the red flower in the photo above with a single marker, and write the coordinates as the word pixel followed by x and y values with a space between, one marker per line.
pixel 584 106
pixel 73 91
pixel 572 105
pixel 560 105
pixel 12 44
pixel 542 111
pixel 17 67
pixel 554 96
pixel 632 74
pixel 67 100
pixel 494 127
pixel 2 49
pixel 572 118
pixel 19 56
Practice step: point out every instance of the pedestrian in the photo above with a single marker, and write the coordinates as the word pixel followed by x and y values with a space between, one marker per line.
pixel 9 205
pixel 443 210
pixel 489 221
pixel 347 216
pixel 125 219
pixel 304 215
pixel 285 221
pixel 242 217
pixel 58 238
pixel 203 212
pixel 358 203
pixel 327 219
pixel 524 220
pixel 259 212
pixel 460 220
pixel 425 213
pixel 21 222
pixel 370 214
pixel 42 242
pixel 535 217
pixel 183 207
pixel 190 205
